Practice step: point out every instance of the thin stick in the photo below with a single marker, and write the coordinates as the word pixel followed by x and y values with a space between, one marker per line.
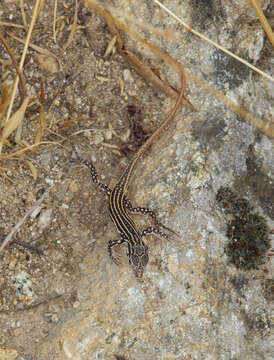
pixel 212 42
pixel 28 246
pixel 20 222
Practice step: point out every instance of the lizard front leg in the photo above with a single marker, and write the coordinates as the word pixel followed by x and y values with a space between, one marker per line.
pixel 93 173
pixel 111 245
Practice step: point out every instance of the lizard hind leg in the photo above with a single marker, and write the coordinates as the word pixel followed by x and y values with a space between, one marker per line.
pixel 154 231
pixel 146 211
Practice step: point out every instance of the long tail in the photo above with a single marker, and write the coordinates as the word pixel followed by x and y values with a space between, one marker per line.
pixel 123 181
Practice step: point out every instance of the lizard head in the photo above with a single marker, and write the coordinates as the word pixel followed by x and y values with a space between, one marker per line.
pixel 138 258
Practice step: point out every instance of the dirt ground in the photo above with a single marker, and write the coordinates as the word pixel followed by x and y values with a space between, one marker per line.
pixel 81 84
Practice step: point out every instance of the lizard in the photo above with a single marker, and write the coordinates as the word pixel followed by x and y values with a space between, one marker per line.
pixel 120 206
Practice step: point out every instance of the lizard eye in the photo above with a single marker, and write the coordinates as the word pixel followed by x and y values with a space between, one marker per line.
pixel 135 260
pixel 144 259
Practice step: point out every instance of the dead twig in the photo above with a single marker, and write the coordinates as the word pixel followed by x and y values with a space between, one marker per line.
pixel 21 222
pixel 28 246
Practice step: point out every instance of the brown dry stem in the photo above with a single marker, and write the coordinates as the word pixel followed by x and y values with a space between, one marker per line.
pixel 141 68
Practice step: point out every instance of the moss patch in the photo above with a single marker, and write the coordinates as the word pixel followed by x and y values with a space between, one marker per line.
pixel 247 231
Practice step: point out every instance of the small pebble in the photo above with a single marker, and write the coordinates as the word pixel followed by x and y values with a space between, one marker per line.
pixel 45 218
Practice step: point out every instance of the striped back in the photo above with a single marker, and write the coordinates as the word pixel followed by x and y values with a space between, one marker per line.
pixel 120 216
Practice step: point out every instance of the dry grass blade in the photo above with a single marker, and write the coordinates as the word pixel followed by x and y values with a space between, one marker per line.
pixel 14 122
pixel 4 100
pixel 33 20
pixel 21 222
pixel 4 23
pixel 189 28
pixel 263 20
pixel 28 148
pixel 33 170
